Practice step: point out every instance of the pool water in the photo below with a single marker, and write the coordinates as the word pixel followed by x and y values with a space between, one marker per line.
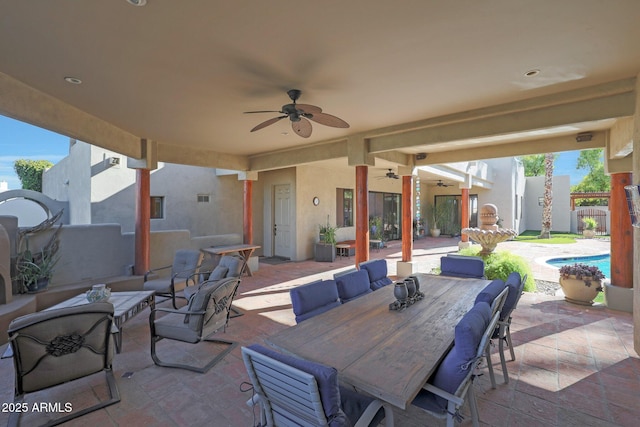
pixel 603 262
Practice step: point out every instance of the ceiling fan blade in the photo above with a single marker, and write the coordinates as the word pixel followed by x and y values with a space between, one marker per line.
pixel 267 123
pixel 302 127
pixel 309 108
pixel 263 111
pixel 328 120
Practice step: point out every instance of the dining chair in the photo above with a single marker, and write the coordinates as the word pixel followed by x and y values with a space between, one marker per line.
pixel 206 313
pixel 352 284
pixel 53 347
pixel 515 283
pixel 452 384
pixel 377 271
pixel 185 263
pixel 495 294
pixel 462 266
pixel 314 298
pixel 228 266
pixel 295 392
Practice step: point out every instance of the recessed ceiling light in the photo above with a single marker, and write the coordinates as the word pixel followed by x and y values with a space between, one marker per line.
pixel 137 2
pixel 73 80
pixel 532 73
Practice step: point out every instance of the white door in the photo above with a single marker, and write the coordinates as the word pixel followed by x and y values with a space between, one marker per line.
pixel 282 221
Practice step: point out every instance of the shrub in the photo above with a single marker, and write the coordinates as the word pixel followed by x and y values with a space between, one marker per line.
pixel 498 265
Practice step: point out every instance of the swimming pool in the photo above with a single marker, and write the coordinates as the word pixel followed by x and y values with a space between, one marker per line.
pixel 603 262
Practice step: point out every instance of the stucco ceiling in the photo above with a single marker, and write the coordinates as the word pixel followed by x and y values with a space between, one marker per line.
pixel 183 72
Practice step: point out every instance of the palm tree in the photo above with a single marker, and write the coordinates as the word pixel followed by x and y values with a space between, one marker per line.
pixel 545 233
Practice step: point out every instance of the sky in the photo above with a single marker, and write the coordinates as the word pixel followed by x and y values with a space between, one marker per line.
pixel 19 140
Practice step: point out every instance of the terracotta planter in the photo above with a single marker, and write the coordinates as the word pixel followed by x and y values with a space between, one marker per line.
pixel 589 234
pixel 577 292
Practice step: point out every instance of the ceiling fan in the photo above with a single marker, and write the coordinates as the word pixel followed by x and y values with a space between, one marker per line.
pixel 442 184
pixel 390 175
pixel 298 114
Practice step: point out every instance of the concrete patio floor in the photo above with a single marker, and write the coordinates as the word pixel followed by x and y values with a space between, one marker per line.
pixel 574 365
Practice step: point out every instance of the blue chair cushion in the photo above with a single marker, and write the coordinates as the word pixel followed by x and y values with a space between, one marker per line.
pixel 454 367
pixel 354 404
pixel 450 373
pixel 377 271
pixel 326 377
pixel 465 267
pixel 469 330
pixel 515 284
pixel 314 298
pixel 491 291
pixel 353 285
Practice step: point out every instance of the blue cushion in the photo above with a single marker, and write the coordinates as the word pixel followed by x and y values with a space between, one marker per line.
pixel 354 404
pixel 353 284
pixel 466 267
pixel 515 284
pixel 491 291
pixel 317 311
pixel 326 377
pixel 314 298
pixel 455 366
pixel 470 328
pixel 377 271
pixel 450 373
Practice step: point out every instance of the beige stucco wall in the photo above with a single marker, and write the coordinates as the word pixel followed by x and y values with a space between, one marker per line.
pixel 322 182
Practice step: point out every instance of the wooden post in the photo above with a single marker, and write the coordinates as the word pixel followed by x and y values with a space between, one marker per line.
pixel 143 222
pixel 621 233
pixel 362 214
pixel 407 217
pixel 464 223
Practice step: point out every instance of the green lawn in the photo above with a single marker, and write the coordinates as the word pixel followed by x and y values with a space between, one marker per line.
pixel 531 236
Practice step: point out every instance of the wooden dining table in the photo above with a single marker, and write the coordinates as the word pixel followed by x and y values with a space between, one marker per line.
pixel 386 353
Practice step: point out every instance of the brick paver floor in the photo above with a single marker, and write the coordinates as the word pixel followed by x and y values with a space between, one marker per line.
pixel 575 365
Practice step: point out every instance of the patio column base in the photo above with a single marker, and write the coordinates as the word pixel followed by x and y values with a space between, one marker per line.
pixel 618 298
pixel 405 268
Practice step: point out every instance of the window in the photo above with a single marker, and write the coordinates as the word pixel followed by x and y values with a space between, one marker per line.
pixel 203 198
pixel 344 207
pixel 157 207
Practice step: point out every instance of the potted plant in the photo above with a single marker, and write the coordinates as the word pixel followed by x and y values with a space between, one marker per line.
pixel 580 283
pixel 326 248
pixel 34 268
pixel 34 271
pixel 589 227
pixel 438 217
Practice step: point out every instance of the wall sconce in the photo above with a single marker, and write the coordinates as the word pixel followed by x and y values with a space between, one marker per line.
pixel 540 201
pixel 633 202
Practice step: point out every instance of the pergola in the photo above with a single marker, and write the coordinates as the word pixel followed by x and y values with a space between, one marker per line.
pixel 422 83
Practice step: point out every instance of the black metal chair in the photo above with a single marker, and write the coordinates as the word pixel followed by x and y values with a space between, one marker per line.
pixel 53 347
pixel 185 263
pixel 206 313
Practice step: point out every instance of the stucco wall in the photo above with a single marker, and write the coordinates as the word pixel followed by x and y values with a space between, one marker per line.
pixel 101 193
pixel 70 180
pixel 561 214
pixel 323 181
